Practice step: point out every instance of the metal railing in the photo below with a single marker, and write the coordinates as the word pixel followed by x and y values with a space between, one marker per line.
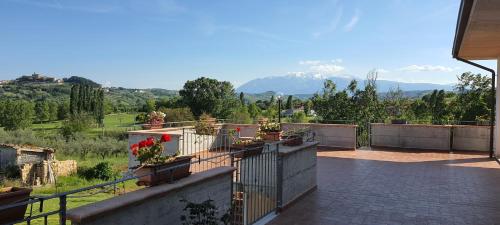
pixel 256 182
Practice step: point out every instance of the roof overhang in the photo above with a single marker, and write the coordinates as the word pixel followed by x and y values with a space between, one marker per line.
pixel 477 34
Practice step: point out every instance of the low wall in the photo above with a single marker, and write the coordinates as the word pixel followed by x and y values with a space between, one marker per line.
pixel 298 171
pixel 159 204
pixel 247 130
pixel 435 137
pixel 329 135
pixel 472 138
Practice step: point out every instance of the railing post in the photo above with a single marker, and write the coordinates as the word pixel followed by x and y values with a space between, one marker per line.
pixel 62 210
pixel 279 180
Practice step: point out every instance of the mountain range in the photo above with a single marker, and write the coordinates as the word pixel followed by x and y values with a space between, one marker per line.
pixel 310 84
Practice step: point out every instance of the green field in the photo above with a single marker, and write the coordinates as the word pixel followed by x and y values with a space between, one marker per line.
pixel 112 123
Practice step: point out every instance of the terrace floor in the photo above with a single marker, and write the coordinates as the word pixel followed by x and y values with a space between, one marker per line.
pixel 405 187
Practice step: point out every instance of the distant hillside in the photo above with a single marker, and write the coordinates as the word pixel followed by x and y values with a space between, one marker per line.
pixel 43 87
pixel 309 84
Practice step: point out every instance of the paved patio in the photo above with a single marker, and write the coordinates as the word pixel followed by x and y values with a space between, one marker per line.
pixel 390 187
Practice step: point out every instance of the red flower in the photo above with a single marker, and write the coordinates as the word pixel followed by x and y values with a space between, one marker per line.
pixel 134 147
pixel 238 129
pixel 165 138
pixel 134 151
pixel 150 141
pixel 142 144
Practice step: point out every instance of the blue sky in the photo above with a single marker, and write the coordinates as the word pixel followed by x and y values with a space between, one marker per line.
pixel 163 43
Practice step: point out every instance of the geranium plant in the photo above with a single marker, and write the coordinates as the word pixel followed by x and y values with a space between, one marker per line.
pixel 149 151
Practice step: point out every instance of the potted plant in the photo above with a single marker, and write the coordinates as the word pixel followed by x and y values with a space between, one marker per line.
pixel 295 137
pixel 205 125
pixel 12 195
pixel 154 166
pixel 245 148
pixel 155 120
pixel 270 131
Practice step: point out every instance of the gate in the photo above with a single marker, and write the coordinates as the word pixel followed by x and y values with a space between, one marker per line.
pixel 255 185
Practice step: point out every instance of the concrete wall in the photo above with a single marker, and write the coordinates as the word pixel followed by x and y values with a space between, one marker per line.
pixel 416 136
pixel 159 204
pixel 247 130
pixel 435 137
pixel 474 138
pixel 298 171
pixel 329 135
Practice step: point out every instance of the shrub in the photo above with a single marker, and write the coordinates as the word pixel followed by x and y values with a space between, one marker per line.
pixel 178 114
pixel 12 172
pixel 101 171
pixel 76 123
pixel 299 117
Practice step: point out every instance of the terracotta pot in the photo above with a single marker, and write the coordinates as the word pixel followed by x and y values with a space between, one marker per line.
pixel 272 135
pixel 293 140
pixel 152 126
pixel 11 195
pixel 156 176
pixel 254 148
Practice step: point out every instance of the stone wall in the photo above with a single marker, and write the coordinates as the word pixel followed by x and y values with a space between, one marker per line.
pixel 298 171
pixel 159 204
pixel 329 135
pixel 35 174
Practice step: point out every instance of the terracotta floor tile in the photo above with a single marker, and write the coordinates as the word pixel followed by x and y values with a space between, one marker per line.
pixel 400 187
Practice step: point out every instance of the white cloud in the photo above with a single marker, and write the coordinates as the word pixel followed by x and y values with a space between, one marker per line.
pixel 327 68
pixel 309 62
pixel 382 71
pixel 427 68
pixel 354 20
pixel 321 67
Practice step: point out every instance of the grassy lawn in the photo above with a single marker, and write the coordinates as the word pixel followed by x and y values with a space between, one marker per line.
pixel 78 199
pixel 64 184
pixel 112 123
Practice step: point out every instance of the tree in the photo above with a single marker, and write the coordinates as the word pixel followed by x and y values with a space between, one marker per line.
pixel 474 97
pixel 254 110
pixel 241 115
pixel 242 98
pixel 150 105
pixel 177 114
pixel 289 102
pixel 53 109
pixel 63 110
pixel 42 111
pixel 205 95
pixel 16 114
pixel 307 107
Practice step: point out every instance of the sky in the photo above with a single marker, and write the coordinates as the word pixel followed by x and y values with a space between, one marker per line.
pixel 163 43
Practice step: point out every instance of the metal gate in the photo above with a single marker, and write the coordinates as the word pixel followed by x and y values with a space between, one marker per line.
pixel 255 185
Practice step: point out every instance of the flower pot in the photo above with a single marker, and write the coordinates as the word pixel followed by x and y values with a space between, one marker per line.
pixel 272 135
pixel 152 126
pixel 158 174
pixel 247 150
pixel 11 195
pixel 293 140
